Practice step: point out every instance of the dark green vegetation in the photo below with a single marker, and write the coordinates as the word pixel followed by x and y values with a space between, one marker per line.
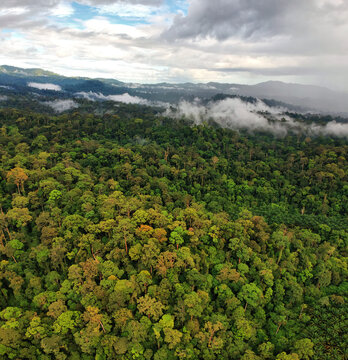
pixel 131 236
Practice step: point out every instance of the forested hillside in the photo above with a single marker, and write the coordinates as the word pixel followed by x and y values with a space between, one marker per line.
pixel 133 236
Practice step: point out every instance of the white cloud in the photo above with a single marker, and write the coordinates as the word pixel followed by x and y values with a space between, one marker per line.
pixel 3 98
pixel 100 25
pixel 128 99
pixel 125 98
pixel 236 114
pixel 63 9
pixel 231 112
pixel 47 86
pixel 331 128
pixel 128 10
pixel 62 105
pixel 13 11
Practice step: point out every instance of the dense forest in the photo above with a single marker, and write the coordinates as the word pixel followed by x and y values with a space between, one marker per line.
pixel 129 235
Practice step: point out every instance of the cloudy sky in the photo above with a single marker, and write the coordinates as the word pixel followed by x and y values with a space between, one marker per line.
pixel 241 41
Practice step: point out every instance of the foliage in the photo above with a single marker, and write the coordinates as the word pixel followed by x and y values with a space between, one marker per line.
pixel 132 236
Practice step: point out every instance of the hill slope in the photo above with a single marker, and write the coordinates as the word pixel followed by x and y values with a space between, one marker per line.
pixel 309 97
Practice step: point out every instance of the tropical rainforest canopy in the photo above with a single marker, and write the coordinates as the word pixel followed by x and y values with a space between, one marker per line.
pixel 127 235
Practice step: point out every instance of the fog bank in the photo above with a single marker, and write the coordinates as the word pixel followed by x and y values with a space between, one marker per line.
pixel 47 86
pixel 236 114
pixel 125 98
pixel 62 105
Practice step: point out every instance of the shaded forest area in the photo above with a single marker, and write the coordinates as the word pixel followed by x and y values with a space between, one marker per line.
pixel 134 236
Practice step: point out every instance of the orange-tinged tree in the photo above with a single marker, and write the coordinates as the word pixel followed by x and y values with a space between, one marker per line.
pixel 17 176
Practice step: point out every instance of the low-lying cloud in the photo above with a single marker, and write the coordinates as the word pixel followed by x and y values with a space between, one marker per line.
pixel 125 98
pixel 47 86
pixel 230 113
pixel 62 105
pixel 3 98
pixel 332 128
pixel 236 114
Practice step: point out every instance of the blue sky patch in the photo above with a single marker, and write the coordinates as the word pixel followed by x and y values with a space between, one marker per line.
pixel 125 16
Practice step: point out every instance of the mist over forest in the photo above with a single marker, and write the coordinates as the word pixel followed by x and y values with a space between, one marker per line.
pixel 199 103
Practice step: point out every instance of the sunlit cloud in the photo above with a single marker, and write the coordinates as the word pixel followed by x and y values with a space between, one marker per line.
pixel 63 9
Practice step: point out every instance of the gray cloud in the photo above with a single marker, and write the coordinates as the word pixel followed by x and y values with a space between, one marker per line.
pixel 42 4
pixel 282 70
pixel 277 38
pixel 255 19
pixel 22 14
pixel 28 4
pixel 222 19
pixel 20 22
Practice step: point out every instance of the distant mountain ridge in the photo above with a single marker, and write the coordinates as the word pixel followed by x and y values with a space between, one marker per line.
pixel 12 70
pixel 308 97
